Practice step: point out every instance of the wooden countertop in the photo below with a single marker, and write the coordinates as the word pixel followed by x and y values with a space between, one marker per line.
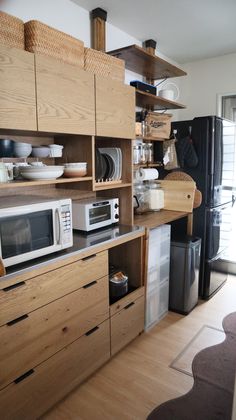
pixel 155 219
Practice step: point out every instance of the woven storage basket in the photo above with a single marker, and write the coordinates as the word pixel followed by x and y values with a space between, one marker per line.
pixel 11 31
pixel 104 64
pixel 42 39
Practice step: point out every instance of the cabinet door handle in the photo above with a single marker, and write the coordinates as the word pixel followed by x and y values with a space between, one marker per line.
pixel 20 318
pixel 24 376
pixel 86 286
pixel 92 331
pixel 129 305
pixel 13 286
pixel 89 257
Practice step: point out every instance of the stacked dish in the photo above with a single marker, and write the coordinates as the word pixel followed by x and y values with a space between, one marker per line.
pixel 40 151
pixel 75 169
pixel 41 172
pixel 108 164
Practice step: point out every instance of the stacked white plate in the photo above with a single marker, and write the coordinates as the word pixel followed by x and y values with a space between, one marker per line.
pixel 41 172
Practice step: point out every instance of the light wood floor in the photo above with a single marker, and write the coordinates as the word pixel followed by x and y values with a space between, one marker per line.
pixel 139 377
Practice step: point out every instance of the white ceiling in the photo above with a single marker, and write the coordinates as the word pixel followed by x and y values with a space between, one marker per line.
pixel 185 30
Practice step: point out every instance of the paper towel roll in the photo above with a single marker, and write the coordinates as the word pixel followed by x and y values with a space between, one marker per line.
pixel 147 174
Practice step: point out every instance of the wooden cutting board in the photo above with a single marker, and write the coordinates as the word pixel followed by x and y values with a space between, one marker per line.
pixel 182 176
pixel 2 268
pixel 178 195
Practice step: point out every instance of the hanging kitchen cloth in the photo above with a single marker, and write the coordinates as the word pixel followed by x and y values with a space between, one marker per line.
pixel 186 152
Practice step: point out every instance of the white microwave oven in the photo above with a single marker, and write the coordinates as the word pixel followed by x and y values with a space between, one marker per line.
pixel 91 214
pixel 31 227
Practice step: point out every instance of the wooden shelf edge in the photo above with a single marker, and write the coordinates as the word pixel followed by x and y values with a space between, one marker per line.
pixel 99 186
pixel 144 99
pixel 28 183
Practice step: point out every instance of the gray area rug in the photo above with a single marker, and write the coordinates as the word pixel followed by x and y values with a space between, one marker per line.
pixel 211 397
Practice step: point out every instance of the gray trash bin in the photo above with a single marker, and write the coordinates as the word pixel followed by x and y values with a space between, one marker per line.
pixel 184 274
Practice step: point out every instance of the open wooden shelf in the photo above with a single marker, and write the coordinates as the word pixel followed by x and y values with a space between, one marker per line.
pixel 28 183
pixel 140 61
pixel 110 185
pixel 144 100
pixel 148 165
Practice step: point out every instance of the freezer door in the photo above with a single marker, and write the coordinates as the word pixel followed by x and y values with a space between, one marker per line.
pixel 218 230
pixel 220 161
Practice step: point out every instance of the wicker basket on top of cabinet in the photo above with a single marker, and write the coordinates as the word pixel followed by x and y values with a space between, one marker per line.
pixel 104 65
pixel 43 39
pixel 11 31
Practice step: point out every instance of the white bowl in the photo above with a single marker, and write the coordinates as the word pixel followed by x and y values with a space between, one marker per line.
pixel 22 152
pixel 77 165
pixel 20 144
pixel 42 172
pixel 75 172
pixel 41 152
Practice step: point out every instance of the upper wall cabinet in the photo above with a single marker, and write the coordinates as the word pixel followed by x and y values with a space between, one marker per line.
pixel 65 98
pixel 17 89
pixel 115 109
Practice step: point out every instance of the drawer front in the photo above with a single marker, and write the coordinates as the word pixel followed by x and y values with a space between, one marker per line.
pixel 25 297
pixel 127 324
pixel 31 339
pixel 122 303
pixel 35 392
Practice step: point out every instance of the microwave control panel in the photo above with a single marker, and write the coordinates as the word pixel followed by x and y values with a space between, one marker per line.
pixel 66 223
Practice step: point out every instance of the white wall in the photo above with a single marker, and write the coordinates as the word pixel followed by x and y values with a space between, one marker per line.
pixel 206 79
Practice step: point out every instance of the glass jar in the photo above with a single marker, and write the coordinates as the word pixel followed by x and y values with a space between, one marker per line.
pixel 155 196
pixel 136 154
pixel 141 198
pixel 149 152
pixel 143 155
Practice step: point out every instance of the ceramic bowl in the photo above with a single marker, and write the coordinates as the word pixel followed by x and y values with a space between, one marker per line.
pixel 22 150
pixel 42 172
pixel 6 147
pixel 75 172
pixel 40 151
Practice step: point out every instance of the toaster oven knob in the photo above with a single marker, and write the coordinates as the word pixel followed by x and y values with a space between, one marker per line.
pixel 116 206
pixel 116 216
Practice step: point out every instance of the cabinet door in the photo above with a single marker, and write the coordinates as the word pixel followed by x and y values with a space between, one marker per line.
pixel 65 97
pixel 17 89
pixel 115 109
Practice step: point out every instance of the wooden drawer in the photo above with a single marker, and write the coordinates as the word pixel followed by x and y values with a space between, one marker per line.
pixel 40 388
pixel 25 297
pixel 127 324
pixel 121 303
pixel 33 338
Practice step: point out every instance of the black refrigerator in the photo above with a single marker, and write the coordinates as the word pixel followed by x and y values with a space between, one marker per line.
pixel 213 141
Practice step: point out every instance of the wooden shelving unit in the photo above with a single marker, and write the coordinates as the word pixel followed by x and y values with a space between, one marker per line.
pixel 152 67
pixel 142 62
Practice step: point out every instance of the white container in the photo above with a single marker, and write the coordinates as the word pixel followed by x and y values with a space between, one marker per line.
pixel 157 302
pixel 55 150
pixel 155 197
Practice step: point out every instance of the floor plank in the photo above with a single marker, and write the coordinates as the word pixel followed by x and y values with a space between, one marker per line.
pixel 139 377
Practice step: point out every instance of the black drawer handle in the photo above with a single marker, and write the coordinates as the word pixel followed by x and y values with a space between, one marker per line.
pixel 92 331
pixel 20 318
pixel 129 305
pixel 24 376
pixel 14 286
pixel 89 284
pixel 89 257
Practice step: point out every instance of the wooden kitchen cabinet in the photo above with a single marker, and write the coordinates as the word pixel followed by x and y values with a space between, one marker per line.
pixel 26 296
pixel 65 97
pixel 36 336
pixel 17 90
pixel 40 388
pixel 115 109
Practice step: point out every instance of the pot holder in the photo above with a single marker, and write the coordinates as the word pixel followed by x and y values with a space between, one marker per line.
pixel 186 153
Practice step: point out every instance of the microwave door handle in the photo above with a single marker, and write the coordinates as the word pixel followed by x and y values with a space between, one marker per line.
pixel 58 227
